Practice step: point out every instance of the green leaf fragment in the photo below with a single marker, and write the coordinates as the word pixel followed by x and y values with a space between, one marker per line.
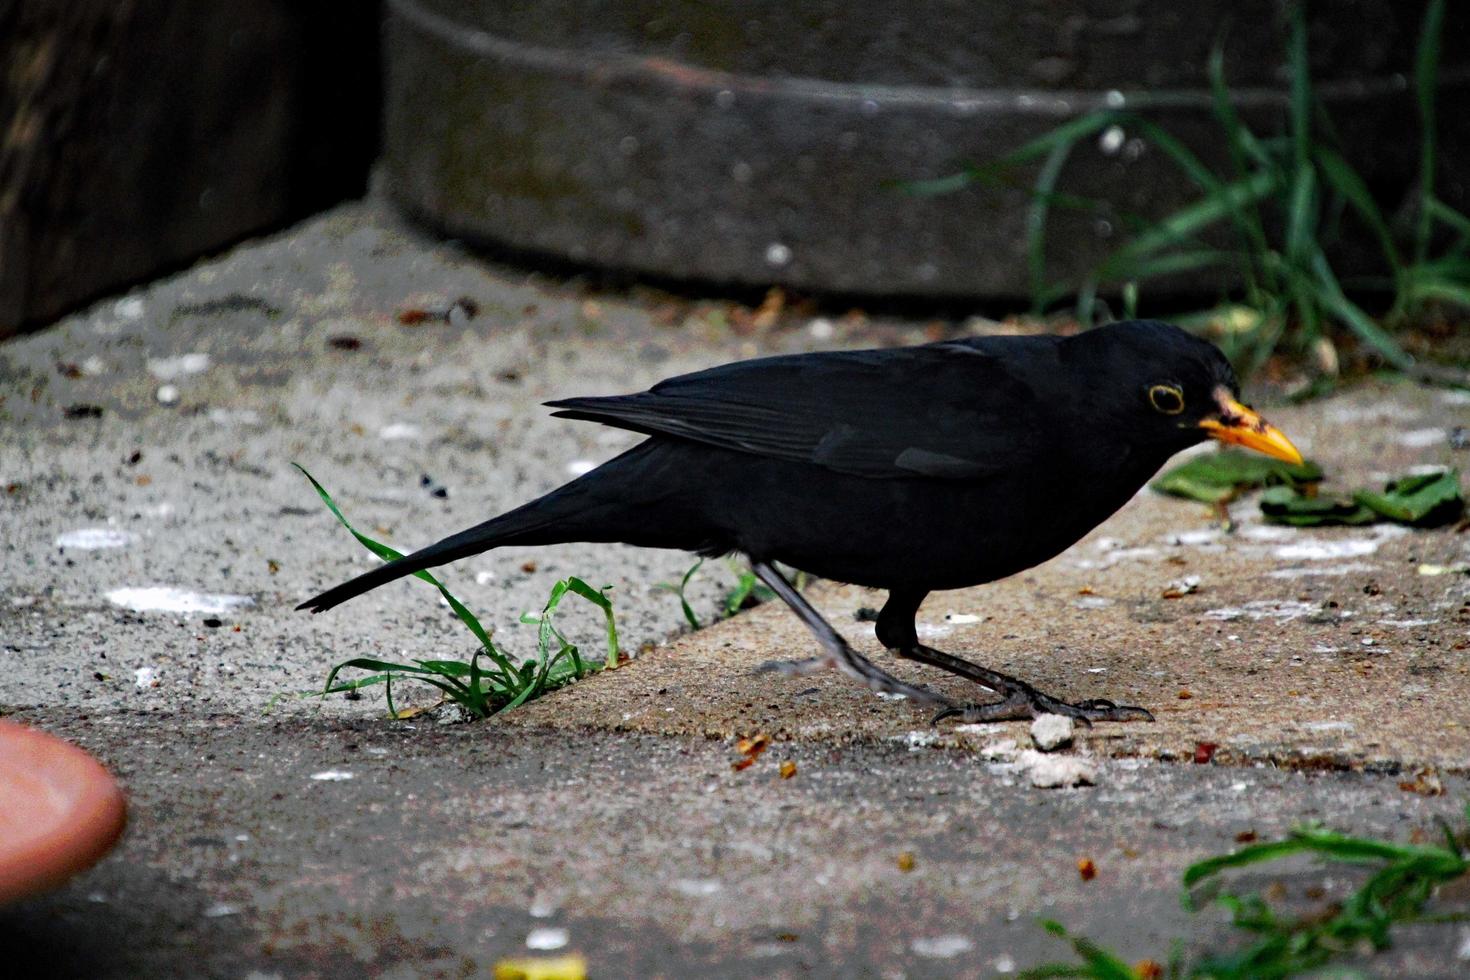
pixel 1222 476
pixel 1285 505
pixel 1421 500
pixel 1424 500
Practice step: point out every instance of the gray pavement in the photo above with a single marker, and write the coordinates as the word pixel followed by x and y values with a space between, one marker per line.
pixel 284 837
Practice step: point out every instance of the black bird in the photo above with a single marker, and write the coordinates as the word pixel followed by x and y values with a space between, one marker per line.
pixel 909 469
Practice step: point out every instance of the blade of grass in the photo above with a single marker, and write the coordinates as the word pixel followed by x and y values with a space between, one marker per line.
pixel 1333 300
pixel 1347 182
pixel 599 599
pixel 1426 80
pixel 1036 214
pixel 1186 222
pixel 679 590
pixel 389 554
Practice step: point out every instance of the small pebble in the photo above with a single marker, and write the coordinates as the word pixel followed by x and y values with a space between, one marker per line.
pixel 547 937
pixel 167 394
pixel 1059 771
pixel 1052 732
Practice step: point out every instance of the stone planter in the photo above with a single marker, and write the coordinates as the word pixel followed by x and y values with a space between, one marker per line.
pixel 757 141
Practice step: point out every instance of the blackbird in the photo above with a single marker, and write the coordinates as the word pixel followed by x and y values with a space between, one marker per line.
pixel 909 469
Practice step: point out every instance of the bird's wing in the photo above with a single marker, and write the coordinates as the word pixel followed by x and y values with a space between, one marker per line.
pixel 947 411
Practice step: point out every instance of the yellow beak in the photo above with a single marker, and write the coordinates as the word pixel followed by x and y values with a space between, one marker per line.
pixel 1241 426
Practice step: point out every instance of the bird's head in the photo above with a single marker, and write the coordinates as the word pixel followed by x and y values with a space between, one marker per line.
pixel 1174 389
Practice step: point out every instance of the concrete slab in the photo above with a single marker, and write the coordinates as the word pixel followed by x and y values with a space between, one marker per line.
pixel 294 838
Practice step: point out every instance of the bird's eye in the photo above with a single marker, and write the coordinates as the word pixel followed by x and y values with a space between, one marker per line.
pixel 1167 399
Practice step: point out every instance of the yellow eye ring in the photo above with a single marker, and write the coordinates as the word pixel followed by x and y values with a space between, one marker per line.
pixel 1167 399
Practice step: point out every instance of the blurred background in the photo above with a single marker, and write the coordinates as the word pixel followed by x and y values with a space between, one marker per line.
pixel 999 156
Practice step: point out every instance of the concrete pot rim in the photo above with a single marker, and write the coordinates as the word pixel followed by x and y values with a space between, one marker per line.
pixel 609 69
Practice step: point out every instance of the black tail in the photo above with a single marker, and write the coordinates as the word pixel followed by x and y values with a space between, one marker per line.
pixel 534 522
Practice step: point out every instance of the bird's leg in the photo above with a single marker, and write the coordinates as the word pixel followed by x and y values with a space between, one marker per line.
pixel 1019 700
pixel 838 654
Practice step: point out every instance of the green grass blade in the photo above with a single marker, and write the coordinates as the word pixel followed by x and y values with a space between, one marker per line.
pixel 1188 221
pixel 1333 300
pixel 1301 216
pixel 1426 80
pixel 679 590
pixel 389 554
pixel 1443 213
pixel 1346 181
pixel 598 598
pixel 1036 215
pixel 1300 71
pixel 1254 854
pixel 999 171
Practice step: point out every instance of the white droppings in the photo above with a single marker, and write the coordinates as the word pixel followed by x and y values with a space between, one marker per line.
pixel 932 631
pixel 547 937
pixel 821 328
pixel 395 431
pixel 778 255
pixel 168 395
pixel 1381 412
pixel 332 776
pixel 1004 963
pixel 578 467
pixel 166 598
pixel 1004 749
pixel 145 677
pixel 1111 140
pixel 226 416
pixel 1267 532
pixel 1188 585
pixel 961 619
pixel 941 947
pixel 173 368
pixel 221 909
pixel 1407 623
pixel 484 577
pixel 1329 726
pixel 94 366
pixel 919 740
pixel 1093 602
pixel 1114 555
pixel 1327 550
pixel 159 510
pixel 128 308
pixel 1426 469
pixel 1277 609
pixel 1422 438
pixel 1322 570
pixel 1200 536
pixel 93 538
pixel 697 887
pixel 542 908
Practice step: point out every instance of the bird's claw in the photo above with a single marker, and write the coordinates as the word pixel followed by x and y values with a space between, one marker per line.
pixel 1026 703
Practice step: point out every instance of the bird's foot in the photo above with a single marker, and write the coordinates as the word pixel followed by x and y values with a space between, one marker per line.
pixel 1026 702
